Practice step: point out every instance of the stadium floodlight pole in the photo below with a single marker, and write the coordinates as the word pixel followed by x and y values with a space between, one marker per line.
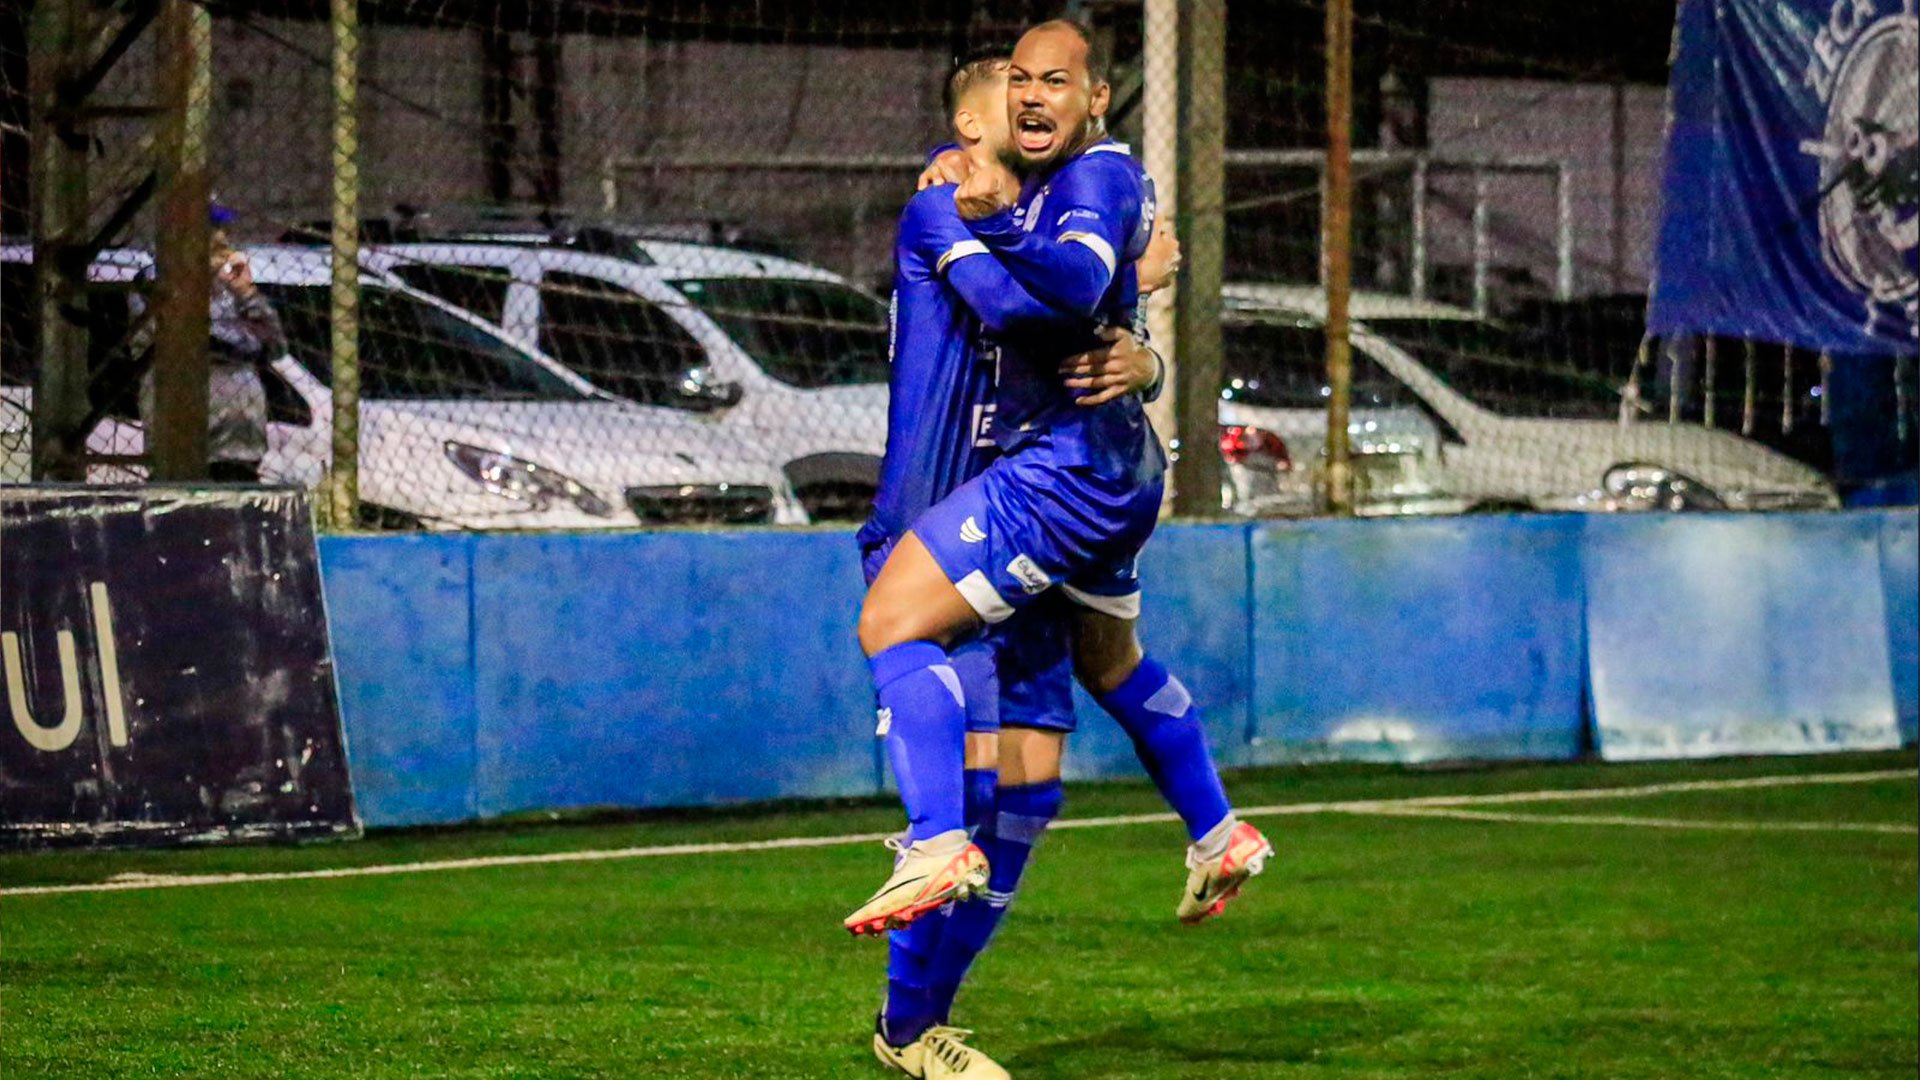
pixel 183 276
pixel 1160 154
pixel 1336 252
pixel 343 482
pixel 1202 223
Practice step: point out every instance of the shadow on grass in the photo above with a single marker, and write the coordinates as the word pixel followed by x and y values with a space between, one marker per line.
pixel 1192 1044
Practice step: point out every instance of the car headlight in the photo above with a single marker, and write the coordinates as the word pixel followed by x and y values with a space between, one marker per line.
pixel 1639 486
pixel 516 478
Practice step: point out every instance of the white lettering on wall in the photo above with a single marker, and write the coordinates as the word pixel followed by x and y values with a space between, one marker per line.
pixel 58 737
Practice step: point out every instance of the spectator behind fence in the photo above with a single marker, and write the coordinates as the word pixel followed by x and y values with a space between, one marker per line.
pixel 246 332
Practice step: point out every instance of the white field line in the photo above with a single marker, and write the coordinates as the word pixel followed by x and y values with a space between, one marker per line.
pixel 1647 822
pixel 133 882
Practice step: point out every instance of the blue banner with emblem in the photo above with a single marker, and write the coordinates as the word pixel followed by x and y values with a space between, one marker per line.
pixel 1792 175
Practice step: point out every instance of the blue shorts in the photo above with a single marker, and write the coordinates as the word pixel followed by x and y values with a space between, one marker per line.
pixel 1028 523
pixel 1019 673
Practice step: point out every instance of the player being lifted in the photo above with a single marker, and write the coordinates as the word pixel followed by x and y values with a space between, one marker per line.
pixel 1073 501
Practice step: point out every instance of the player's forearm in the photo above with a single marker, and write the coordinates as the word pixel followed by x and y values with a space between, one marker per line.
pixel 1071 275
pixel 1002 303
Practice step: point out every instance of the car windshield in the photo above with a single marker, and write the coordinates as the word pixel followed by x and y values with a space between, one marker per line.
pixel 1504 369
pixel 412 350
pixel 1282 363
pixel 807 334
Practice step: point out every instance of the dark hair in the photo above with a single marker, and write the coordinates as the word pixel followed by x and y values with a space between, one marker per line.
pixel 970 69
pixel 1097 60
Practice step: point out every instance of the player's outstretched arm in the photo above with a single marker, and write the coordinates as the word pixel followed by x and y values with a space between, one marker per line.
pixel 941 241
pixel 1068 259
pixel 1002 303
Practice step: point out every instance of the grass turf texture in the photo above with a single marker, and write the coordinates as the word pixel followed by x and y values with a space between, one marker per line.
pixel 1374 947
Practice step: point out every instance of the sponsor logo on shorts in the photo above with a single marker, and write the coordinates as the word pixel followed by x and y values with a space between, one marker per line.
pixel 971 532
pixel 885 725
pixel 983 424
pixel 1032 579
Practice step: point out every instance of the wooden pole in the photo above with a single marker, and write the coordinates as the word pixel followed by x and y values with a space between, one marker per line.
pixel 183 276
pixel 1336 252
pixel 1202 221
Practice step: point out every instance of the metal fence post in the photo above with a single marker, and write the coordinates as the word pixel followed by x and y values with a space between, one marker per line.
pixel 1336 251
pixel 177 439
pixel 1202 219
pixel 1160 154
pixel 343 481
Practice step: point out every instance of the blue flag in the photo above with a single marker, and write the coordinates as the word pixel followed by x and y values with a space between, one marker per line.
pixel 1792 175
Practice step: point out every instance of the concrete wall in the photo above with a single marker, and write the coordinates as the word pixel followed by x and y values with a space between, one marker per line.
pixel 486 674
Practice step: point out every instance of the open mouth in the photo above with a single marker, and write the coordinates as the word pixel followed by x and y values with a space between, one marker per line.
pixel 1033 132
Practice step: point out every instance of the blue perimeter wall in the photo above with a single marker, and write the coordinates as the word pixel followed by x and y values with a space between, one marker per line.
pixel 484 674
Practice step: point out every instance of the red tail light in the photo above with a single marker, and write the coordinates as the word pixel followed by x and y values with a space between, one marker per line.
pixel 1241 444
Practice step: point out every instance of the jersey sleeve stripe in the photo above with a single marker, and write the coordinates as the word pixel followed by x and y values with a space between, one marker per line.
pixel 959 251
pixel 1096 243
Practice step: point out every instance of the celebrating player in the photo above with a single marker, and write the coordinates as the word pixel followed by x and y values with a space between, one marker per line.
pixel 941 396
pixel 1073 501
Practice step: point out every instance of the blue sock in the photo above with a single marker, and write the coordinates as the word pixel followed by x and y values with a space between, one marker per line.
pixel 1160 717
pixel 924 721
pixel 1020 815
pixel 979 797
pixel 912 1006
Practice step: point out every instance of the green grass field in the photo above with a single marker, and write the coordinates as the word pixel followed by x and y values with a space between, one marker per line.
pixel 1379 945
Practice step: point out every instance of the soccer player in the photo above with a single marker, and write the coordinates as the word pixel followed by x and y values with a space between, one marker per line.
pixel 1072 501
pixel 941 402
pixel 1057 94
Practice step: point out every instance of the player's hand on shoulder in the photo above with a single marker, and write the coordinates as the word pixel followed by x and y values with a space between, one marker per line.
pixel 1161 261
pixel 949 166
pixel 1123 365
pixel 987 190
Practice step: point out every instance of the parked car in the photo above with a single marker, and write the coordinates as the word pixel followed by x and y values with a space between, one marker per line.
pixel 785 357
pixel 1452 412
pixel 461 427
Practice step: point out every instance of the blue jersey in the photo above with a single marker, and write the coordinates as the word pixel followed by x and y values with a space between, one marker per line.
pixel 1071 240
pixel 941 401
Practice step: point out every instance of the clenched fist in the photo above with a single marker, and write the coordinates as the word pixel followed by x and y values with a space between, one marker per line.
pixel 989 189
pixel 947 167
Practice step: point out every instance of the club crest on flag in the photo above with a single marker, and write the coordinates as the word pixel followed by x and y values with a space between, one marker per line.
pixel 1862 65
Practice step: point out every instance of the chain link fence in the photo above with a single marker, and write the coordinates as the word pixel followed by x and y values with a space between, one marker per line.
pixel 558 264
